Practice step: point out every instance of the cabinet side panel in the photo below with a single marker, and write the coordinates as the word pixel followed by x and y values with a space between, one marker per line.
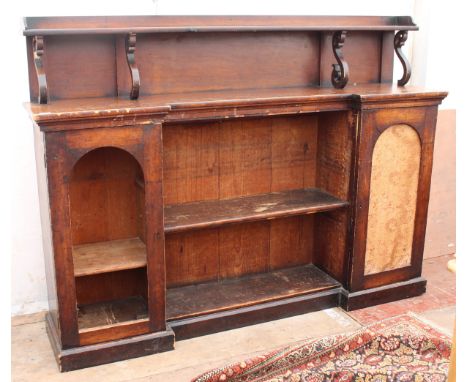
pixel 392 203
pixel 47 246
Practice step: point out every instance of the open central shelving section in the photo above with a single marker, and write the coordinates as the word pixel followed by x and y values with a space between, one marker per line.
pixel 255 212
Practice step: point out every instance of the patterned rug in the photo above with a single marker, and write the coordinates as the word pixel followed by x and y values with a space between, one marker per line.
pixel 399 349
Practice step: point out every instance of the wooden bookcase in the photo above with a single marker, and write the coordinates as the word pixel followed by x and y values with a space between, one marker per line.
pixel 198 174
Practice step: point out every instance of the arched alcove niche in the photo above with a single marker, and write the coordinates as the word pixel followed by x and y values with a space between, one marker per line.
pixel 108 236
pixel 104 196
pixel 392 204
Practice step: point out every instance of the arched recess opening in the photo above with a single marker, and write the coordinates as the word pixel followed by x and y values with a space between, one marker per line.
pixel 108 236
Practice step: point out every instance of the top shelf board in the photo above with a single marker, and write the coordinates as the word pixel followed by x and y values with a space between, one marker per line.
pixel 167 24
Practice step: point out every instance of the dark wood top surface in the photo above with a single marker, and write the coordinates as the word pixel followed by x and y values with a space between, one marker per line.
pixel 152 24
pixel 95 108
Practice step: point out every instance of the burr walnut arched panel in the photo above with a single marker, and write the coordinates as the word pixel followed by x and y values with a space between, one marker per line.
pixel 393 196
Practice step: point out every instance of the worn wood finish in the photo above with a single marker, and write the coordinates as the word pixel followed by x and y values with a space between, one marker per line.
pixel 154 223
pixel 114 331
pixel 112 351
pixel 148 24
pixel 114 112
pixel 110 286
pixel 173 58
pixel 120 158
pixel 103 201
pixel 195 215
pixel 196 300
pixel 47 244
pixel 108 256
pixel 61 239
pixel 112 312
pixel 384 294
pixel 210 161
pixel 180 63
pixel 334 169
pixel 223 163
pixel 225 160
pixel 372 124
pixel 237 318
pixel 69 78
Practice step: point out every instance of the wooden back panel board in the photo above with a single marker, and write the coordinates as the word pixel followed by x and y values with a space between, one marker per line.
pixel 89 66
pixel 103 196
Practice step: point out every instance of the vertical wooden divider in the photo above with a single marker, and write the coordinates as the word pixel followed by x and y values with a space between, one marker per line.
pixel 154 215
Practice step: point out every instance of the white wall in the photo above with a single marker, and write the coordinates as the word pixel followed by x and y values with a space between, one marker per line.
pixel 28 286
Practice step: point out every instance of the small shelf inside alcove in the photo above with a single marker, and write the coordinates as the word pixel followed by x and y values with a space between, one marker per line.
pixel 109 256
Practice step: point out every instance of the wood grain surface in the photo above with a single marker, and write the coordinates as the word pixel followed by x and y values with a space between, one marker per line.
pixel 275 202
pixel 109 256
pixel 207 298
pixel 215 213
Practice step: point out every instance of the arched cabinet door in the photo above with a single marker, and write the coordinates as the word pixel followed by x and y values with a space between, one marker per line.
pixel 394 150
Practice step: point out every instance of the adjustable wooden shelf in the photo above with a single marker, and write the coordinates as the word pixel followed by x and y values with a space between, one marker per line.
pixel 204 173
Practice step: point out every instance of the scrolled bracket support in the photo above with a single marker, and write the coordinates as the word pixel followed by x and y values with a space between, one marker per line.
pixel 38 53
pixel 340 72
pixel 398 42
pixel 130 47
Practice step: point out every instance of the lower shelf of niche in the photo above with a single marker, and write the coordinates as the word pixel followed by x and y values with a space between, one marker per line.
pixel 112 312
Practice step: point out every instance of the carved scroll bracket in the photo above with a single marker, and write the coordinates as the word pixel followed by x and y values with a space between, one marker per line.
pixel 130 47
pixel 38 52
pixel 398 42
pixel 340 73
